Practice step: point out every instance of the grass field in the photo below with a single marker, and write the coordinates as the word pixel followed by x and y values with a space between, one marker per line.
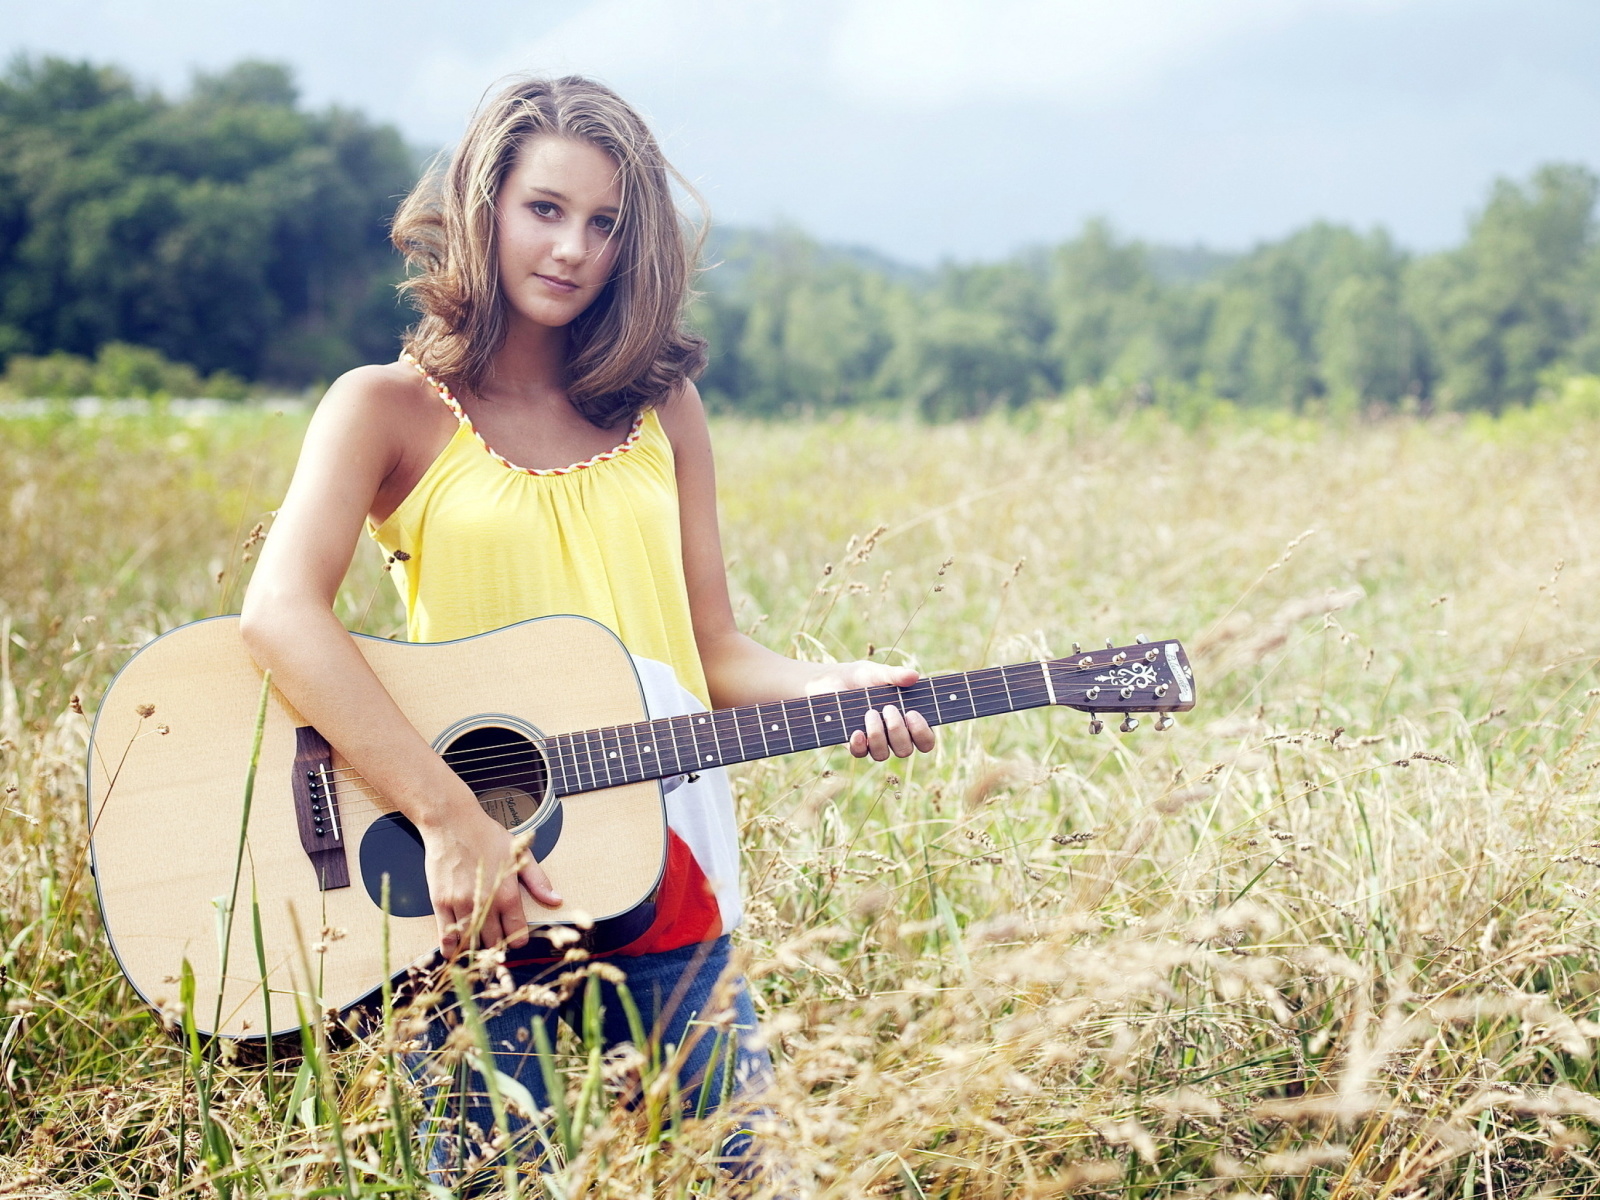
pixel 1333 936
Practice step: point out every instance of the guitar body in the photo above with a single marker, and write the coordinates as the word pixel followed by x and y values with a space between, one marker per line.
pixel 166 801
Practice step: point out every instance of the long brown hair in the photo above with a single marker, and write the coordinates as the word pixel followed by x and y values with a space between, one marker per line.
pixel 629 349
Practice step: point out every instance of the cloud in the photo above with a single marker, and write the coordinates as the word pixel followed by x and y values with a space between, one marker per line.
pixel 919 55
pixel 930 54
pixel 641 40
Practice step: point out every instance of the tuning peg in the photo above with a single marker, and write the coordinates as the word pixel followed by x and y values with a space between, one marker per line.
pixel 1164 722
pixel 1096 725
pixel 1109 643
pixel 1141 639
pixel 1118 659
pixel 1077 649
pixel 1129 723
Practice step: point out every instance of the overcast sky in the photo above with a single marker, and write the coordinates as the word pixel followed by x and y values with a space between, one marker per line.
pixel 961 128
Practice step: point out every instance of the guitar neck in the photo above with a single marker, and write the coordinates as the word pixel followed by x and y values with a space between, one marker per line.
pixel 619 754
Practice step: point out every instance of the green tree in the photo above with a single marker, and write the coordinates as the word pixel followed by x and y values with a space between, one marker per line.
pixel 1518 296
pixel 230 230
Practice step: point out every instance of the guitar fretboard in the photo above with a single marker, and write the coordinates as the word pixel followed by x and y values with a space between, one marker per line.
pixel 619 754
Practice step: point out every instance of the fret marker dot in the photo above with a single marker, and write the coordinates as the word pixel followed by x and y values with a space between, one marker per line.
pixel 708 758
pixel 774 729
pixel 827 718
pixel 613 754
pixel 702 720
pixel 952 695
pixel 647 749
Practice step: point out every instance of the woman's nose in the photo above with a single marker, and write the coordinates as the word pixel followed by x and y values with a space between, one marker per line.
pixel 569 245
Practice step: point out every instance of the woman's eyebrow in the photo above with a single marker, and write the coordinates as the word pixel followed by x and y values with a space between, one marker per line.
pixel 555 195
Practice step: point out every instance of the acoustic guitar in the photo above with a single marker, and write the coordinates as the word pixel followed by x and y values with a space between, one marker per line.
pixel 545 720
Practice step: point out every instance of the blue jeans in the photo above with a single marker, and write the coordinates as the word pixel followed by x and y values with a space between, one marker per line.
pixel 672 992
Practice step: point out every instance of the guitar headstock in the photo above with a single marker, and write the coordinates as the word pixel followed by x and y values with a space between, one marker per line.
pixel 1145 677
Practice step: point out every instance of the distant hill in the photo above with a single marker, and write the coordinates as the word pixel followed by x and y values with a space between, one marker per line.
pixel 731 251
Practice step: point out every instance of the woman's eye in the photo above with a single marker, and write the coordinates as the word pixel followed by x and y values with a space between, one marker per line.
pixel 544 208
pixel 605 224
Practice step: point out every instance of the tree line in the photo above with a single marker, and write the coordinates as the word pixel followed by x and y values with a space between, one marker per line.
pixel 235 236
pixel 1328 317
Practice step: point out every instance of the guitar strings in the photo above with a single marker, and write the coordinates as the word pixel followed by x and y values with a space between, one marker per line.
pixel 619 733
pixel 364 795
pixel 985 691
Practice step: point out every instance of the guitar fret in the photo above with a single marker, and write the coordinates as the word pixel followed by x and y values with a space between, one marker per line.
pixel 852 711
pixel 811 714
pixel 684 725
pixel 594 747
pixel 775 728
pixel 573 748
pixel 559 782
pixel 753 716
pixel 671 726
pixel 570 751
pixel 605 756
pixel 948 690
pixel 702 757
pixel 833 722
pixel 1034 693
pixel 725 725
pixel 643 752
pixel 986 700
pixel 646 751
pixel 918 697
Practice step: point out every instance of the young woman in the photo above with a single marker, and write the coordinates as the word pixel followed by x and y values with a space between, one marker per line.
pixel 540 448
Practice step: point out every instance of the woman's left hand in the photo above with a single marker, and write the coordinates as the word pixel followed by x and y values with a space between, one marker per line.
pixel 887 730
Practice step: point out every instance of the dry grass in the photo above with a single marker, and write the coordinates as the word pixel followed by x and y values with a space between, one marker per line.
pixel 1333 936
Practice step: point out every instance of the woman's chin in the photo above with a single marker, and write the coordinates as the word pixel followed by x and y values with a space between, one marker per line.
pixel 544 314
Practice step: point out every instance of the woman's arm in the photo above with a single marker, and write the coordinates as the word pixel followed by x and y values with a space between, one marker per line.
pixel 738 669
pixel 356 440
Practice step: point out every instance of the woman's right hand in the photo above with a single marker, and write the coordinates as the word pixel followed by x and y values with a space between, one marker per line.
pixel 473 862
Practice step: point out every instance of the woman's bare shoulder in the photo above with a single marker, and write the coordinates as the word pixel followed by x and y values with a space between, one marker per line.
pixel 683 414
pixel 392 389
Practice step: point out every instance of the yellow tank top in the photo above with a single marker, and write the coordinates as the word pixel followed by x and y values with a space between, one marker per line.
pixel 480 543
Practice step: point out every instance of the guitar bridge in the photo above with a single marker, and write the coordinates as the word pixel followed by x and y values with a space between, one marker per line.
pixel 316 809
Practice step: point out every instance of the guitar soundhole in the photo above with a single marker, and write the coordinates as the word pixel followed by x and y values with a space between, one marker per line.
pixel 504 769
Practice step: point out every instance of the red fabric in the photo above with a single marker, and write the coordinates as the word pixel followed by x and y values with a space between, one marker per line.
pixel 686 907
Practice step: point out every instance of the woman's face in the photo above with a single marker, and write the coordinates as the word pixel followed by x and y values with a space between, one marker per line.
pixel 557 214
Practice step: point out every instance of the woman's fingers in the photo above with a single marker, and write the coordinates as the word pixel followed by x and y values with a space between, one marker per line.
pixel 877 743
pixel 506 922
pixel 890 731
pixel 538 884
pixel 449 931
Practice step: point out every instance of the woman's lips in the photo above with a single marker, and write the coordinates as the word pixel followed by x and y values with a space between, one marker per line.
pixel 555 283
